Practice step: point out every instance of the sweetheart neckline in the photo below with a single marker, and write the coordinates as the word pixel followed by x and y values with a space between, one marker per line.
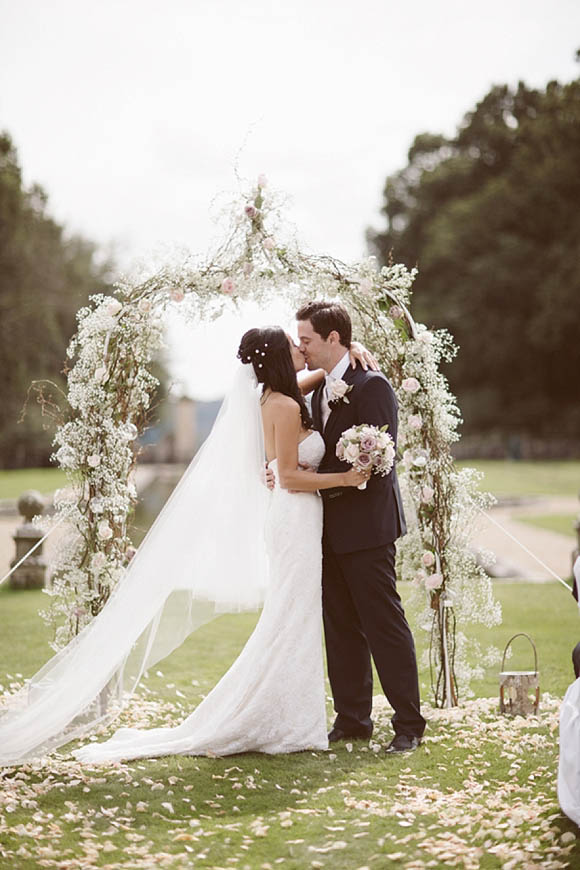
pixel 314 432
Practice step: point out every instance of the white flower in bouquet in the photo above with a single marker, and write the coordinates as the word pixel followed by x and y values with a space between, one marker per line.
pixel 361 446
pixel 351 452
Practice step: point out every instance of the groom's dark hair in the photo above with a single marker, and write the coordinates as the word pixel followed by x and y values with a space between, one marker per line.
pixel 326 317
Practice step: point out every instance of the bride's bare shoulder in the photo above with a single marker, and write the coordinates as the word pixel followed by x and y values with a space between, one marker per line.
pixel 283 406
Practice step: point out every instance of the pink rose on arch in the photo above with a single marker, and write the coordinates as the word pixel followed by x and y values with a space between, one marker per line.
pixel 396 312
pixel 269 244
pixel 411 385
pixel 434 581
pixel 130 552
pixel 251 211
pixel 177 295
pixel 428 559
pixel 369 442
pixel 228 286
pixel 262 180
pixel 414 421
pixel 427 493
pixel 248 269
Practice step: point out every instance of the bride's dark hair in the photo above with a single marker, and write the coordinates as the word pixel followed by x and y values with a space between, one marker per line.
pixel 268 351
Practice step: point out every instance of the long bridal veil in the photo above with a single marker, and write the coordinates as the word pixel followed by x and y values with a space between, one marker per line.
pixel 204 555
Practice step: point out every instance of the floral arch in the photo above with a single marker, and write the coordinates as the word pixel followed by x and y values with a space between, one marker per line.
pixel 110 387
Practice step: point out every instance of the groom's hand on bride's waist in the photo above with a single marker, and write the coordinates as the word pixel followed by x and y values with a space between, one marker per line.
pixel 271 477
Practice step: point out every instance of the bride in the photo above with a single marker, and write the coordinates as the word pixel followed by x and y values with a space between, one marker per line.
pixel 222 543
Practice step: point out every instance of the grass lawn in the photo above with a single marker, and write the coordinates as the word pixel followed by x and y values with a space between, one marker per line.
pixel 510 478
pixel 479 793
pixel 13 483
pixel 561 523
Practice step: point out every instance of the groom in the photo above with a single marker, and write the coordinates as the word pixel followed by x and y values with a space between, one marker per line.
pixel 363 614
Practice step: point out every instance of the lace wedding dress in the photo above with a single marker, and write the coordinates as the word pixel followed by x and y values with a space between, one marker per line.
pixel 272 699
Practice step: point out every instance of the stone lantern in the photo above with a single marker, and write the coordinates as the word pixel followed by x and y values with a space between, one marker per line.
pixel 31 574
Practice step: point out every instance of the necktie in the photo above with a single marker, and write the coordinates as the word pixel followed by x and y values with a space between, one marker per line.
pixel 324 405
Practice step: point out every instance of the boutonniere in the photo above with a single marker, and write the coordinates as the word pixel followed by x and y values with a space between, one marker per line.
pixel 338 392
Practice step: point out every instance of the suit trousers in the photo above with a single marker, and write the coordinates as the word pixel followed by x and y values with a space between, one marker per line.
pixel 364 617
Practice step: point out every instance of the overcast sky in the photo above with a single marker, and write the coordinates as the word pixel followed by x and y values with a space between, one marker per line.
pixel 134 114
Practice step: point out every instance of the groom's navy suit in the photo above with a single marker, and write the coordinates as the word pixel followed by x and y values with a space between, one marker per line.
pixel 363 614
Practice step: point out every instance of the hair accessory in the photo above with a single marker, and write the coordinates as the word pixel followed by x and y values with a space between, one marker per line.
pixel 263 354
pixel 266 344
pixel 257 350
pixel 260 366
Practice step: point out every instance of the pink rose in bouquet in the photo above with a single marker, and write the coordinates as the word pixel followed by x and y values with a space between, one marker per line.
pixel 367 447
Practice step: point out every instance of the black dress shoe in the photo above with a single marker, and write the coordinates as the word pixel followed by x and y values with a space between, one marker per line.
pixel 338 734
pixel 403 743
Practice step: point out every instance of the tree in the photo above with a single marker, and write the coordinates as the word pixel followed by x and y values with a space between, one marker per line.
pixel 491 218
pixel 45 277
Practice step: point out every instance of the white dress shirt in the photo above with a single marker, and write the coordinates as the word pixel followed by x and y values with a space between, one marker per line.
pixel 335 375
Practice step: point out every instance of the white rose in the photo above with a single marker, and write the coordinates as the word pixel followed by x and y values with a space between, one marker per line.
pixel 352 452
pixel 94 460
pixel 427 493
pixel 97 505
pixel 101 375
pixel 98 561
pixel 339 389
pixel 420 461
pixel 414 421
pixel 411 385
pixel 113 307
pixel 104 530
pixel 129 432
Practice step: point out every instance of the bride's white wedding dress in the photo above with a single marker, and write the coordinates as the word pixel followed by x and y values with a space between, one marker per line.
pixel 272 699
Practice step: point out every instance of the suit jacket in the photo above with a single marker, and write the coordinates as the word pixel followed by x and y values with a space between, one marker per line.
pixel 360 519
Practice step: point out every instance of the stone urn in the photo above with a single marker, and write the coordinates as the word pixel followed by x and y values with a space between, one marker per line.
pixel 32 573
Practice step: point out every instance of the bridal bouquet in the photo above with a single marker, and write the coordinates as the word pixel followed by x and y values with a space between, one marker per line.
pixel 367 447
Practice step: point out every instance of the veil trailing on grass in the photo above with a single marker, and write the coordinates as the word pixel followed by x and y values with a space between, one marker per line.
pixel 204 555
